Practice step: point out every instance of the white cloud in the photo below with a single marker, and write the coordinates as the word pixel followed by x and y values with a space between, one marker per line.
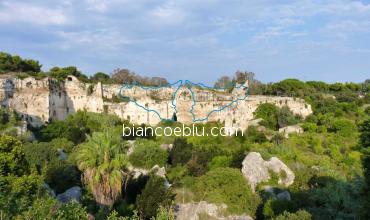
pixel 104 39
pixel 168 14
pixel 30 13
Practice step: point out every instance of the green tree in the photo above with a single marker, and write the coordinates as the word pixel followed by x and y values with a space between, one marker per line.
pixel 181 152
pixel 101 77
pixel 269 113
pixel 12 158
pixel 104 164
pixel 154 195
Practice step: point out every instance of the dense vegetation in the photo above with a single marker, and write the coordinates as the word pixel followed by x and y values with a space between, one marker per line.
pixel 331 161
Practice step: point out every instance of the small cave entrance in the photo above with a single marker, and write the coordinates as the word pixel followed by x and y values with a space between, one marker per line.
pixel 174 117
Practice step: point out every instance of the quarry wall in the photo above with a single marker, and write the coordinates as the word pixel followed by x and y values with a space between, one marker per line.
pixel 39 101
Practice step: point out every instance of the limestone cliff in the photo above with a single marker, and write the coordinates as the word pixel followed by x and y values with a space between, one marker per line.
pixel 39 101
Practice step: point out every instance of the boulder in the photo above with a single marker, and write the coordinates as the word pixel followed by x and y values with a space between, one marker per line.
pixel 286 175
pixel 291 129
pixel 284 195
pixel 256 170
pixel 195 211
pixel 70 194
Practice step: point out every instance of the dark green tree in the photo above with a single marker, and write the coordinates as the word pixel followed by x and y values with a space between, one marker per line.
pixel 154 195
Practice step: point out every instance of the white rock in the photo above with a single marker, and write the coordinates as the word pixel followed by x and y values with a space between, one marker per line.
pixel 70 194
pixel 256 170
pixel 285 195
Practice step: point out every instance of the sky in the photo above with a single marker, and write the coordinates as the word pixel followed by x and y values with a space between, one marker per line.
pixel 197 40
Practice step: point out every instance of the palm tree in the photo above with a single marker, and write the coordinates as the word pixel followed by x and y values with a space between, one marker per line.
pixel 104 164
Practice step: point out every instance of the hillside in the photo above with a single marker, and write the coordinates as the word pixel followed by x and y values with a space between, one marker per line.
pixel 304 153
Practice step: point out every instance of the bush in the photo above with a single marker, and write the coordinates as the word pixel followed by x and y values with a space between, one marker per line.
pixel 181 152
pixel 147 154
pixel 153 196
pixel 286 117
pixel 273 207
pixel 268 112
pixel 220 161
pixel 300 215
pixel 227 185
pixel 343 127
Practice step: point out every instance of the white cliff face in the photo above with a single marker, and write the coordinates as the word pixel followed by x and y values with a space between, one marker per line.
pixel 39 101
pixel 256 170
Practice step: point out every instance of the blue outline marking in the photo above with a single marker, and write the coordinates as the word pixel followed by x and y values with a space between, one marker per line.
pixel 215 110
pixel 173 103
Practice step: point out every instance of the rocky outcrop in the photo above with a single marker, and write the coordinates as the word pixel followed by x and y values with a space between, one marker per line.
pixel 256 170
pixel 39 101
pixel 291 129
pixel 70 194
pixel 137 172
pixel 202 210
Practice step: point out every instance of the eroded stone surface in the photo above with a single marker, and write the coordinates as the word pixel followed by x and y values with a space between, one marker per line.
pixel 256 170
pixel 38 101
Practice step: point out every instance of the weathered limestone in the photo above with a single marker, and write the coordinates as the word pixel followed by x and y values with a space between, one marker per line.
pixel 256 170
pixel 195 211
pixel 40 101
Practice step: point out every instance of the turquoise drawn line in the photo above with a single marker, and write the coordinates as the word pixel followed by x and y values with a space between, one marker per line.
pixel 173 102
pixel 216 110
pixel 127 86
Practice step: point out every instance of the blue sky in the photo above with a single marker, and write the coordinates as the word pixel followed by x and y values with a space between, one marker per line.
pixel 198 40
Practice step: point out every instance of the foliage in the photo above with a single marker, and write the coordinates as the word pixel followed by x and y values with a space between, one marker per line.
pixel 147 154
pixel 104 163
pixel 164 214
pixel 220 161
pixel 101 77
pixel 299 215
pixel 18 193
pixel 154 195
pixel 180 152
pixel 9 63
pixel 269 113
pixel 125 76
pixel 227 185
pixel 61 73
pixel 49 209
pixel 12 158
pixel 75 127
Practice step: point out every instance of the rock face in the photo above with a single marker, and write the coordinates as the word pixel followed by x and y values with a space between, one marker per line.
pixel 70 194
pixel 200 210
pixel 256 170
pixel 291 129
pixel 39 101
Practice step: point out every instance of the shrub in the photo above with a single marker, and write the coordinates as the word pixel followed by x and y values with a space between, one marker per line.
pixel 180 152
pixel 153 196
pixel 286 117
pixel 147 154
pixel 299 215
pixel 268 112
pixel 220 161
pixel 227 185
pixel 343 127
